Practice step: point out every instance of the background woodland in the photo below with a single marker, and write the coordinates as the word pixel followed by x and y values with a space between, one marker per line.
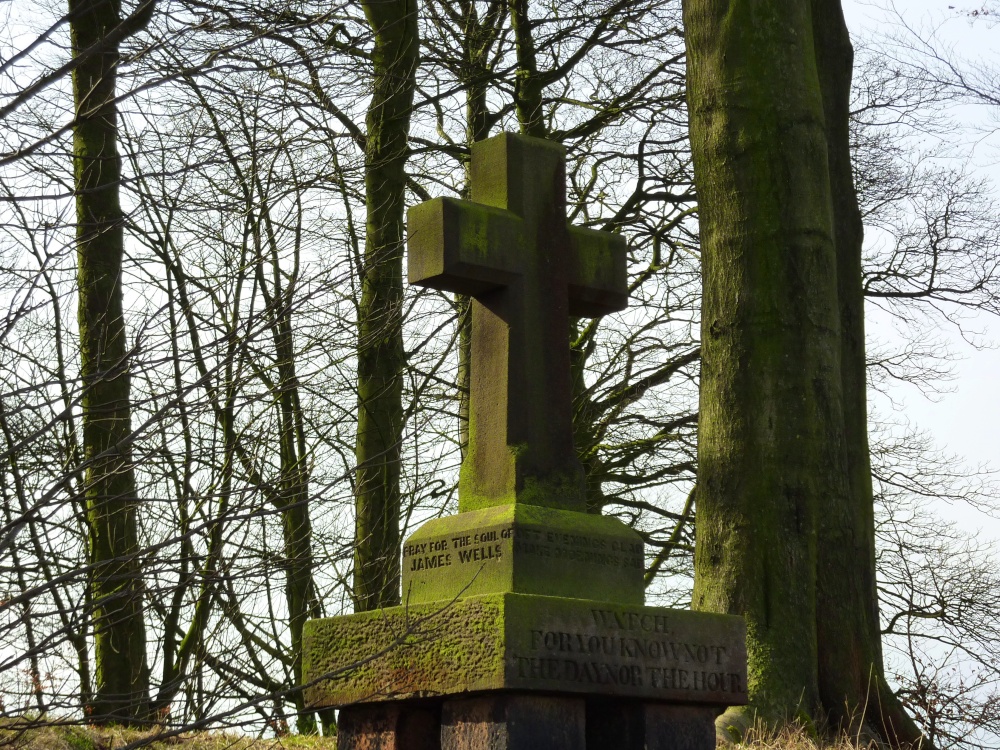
pixel 294 409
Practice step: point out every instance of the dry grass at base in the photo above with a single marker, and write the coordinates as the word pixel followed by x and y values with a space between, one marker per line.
pixel 83 737
pixel 795 737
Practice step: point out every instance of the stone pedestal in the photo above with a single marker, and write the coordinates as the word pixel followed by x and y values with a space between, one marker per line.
pixel 674 727
pixel 632 725
pixel 525 630
pixel 526 643
pixel 615 724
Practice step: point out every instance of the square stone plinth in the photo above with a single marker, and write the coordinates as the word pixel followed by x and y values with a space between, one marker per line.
pixel 526 643
pixel 524 548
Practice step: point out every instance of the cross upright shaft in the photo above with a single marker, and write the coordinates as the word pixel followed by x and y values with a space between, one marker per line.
pixel 527 270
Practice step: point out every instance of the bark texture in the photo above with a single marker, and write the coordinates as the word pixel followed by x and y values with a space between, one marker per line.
pixel 528 86
pixel 784 518
pixel 851 670
pixel 121 691
pixel 293 498
pixel 380 338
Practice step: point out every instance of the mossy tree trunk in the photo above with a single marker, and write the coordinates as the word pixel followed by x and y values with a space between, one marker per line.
pixel 528 86
pixel 769 439
pixel 851 670
pixel 380 337
pixel 121 692
pixel 784 530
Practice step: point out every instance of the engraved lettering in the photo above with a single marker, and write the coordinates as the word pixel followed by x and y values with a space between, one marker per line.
pixel 429 562
pixel 735 685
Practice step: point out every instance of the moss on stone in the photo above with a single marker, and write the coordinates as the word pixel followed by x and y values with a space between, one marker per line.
pixel 527 549
pixel 524 642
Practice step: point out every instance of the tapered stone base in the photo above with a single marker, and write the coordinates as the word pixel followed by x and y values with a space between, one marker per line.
pixel 524 549
pixel 680 727
pixel 615 724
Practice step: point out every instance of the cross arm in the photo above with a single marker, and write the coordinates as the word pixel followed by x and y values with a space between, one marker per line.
pixel 460 246
pixel 598 280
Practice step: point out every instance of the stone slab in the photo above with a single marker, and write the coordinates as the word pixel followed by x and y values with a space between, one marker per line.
pixel 526 643
pixel 524 548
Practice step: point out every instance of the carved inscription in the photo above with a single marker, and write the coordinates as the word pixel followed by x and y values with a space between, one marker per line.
pixel 476 547
pixel 628 652
pixel 495 543
pixel 595 550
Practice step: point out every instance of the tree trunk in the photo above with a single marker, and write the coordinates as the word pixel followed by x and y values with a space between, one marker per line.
pixel 851 675
pixel 122 678
pixel 770 433
pixel 300 593
pixel 528 85
pixel 380 338
pixel 785 533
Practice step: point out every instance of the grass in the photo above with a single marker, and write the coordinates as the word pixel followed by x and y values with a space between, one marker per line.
pixel 85 737
pixel 796 737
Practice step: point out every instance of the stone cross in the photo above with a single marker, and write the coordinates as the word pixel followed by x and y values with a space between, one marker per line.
pixel 523 625
pixel 528 271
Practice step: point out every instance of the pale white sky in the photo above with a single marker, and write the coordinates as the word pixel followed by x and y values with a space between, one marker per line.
pixel 965 421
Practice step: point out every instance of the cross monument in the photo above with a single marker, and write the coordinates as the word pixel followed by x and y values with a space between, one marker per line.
pixel 523 625
pixel 511 249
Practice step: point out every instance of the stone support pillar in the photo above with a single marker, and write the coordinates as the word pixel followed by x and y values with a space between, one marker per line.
pixel 389 726
pixel 678 727
pixel 617 724
pixel 513 721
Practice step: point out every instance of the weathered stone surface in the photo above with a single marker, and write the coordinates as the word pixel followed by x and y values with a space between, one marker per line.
pixel 528 271
pixel 526 549
pixel 526 721
pixel 404 652
pixel 506 721
pixel 527 643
